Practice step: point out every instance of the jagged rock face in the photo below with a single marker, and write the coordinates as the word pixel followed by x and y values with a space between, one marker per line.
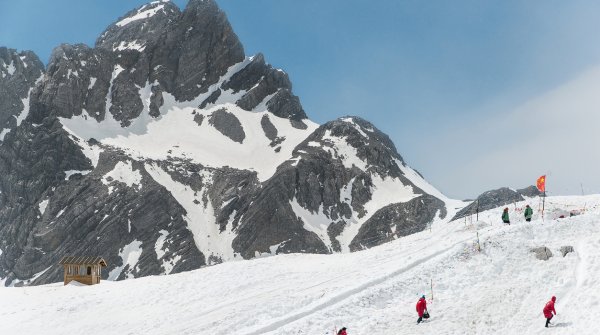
pixel 77 79
pixel 18 75
pixel 328 192
pixel 397 220
pixel 32 161
pixel 496 198
pixel 164 148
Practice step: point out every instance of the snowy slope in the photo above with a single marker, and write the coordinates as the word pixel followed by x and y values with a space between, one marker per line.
pixel 178 133
pixel 501 289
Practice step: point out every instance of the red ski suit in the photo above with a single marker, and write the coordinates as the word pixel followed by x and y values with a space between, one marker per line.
pixel 342 332
pixel 548 309
pixel 421 306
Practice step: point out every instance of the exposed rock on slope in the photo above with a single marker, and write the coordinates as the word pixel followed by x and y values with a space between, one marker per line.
pixel 19 73
pixel 496 198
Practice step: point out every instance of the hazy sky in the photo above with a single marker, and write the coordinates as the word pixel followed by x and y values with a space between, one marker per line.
pixel 475 94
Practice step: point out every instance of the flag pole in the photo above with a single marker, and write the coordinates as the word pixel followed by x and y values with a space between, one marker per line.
pixel 544 201
pixel 541 185
pixel 543 204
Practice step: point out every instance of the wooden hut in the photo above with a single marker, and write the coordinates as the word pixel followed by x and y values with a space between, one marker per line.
pixel 84 269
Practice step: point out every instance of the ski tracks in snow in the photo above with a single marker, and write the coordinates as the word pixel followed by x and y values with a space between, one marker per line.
pixel 331 302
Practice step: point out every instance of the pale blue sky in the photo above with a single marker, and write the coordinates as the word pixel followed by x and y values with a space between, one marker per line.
pixel 428 73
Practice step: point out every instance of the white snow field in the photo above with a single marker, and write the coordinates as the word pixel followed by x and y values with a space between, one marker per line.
pixel 500 290
pixel 175 133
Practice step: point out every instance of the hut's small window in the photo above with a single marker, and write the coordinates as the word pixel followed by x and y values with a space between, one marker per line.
pixel 89 270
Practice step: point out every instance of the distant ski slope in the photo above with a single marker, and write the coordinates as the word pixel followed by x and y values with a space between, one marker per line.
pixel 500 290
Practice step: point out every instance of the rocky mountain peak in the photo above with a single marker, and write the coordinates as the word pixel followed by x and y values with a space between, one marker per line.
pixel 203 7
pixel 16 65
pixel 205 46
pixel 356 136
pixel 140 28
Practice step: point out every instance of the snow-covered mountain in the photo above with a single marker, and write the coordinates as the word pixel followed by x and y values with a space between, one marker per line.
pixel 165 148
pixel 499 288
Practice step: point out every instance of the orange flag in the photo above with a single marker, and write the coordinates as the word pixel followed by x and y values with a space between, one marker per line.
pixel 541 183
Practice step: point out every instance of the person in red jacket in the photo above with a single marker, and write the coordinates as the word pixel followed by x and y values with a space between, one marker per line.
pixel 421 308
pixel 549 309
pixel 342 331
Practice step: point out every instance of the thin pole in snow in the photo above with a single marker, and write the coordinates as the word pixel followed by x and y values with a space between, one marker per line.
pixel 544 199
pixel 477 220
pixel 478 245
pixel 431 289
pixel 543 205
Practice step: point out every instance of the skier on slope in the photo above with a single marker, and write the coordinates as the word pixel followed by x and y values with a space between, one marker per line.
pixel 421 308
pixel 342 331
pixel 528 213
pixel 549 309
pixel 505 216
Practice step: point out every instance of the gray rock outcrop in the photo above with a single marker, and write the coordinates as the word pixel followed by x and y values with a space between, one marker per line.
pixel 542 253
pixel 397 220
pixel 228 125
pixel 564 250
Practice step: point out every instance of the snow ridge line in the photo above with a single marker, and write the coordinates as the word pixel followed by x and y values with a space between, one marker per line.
pixel 342 296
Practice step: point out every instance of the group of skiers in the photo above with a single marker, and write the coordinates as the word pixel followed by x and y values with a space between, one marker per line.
pixel 424 314
pixel 528 214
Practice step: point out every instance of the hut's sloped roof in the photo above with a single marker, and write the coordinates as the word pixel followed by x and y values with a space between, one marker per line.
pixel 82 260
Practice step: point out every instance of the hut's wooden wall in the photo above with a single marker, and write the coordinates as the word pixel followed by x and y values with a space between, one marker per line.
pixel 75 274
